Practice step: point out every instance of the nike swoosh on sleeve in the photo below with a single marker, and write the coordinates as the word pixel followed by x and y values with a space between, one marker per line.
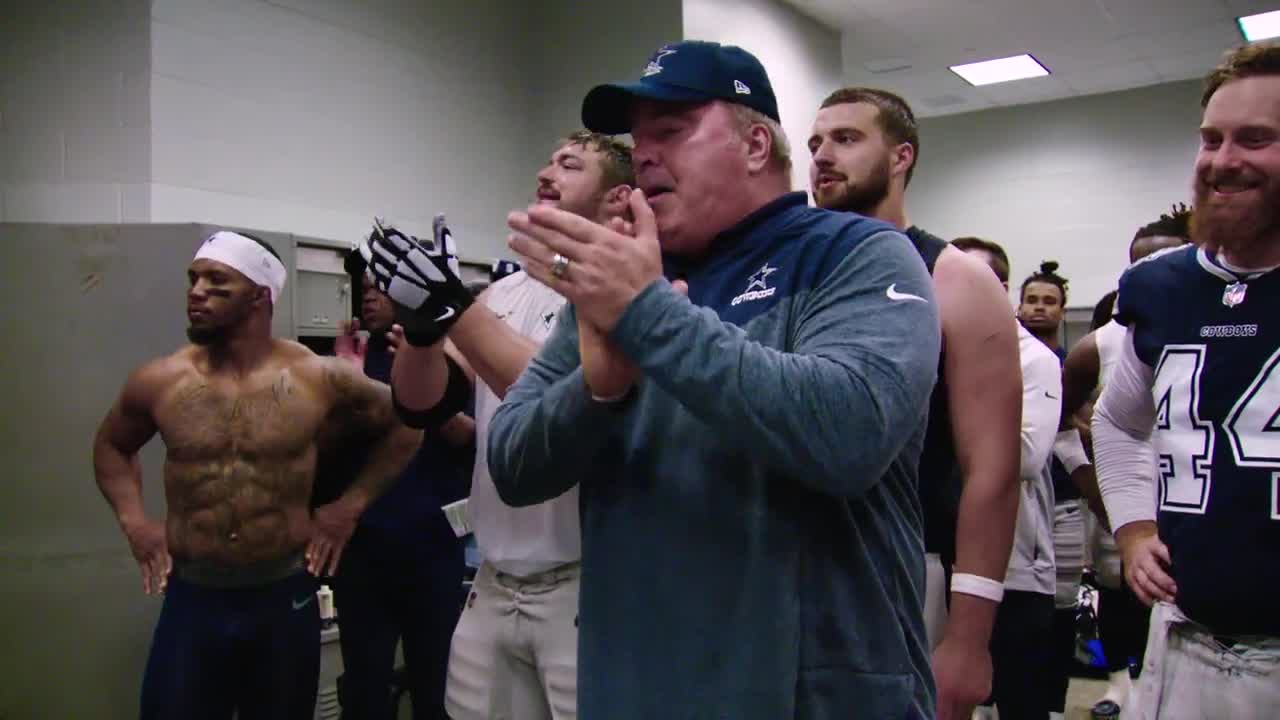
pixel 892 293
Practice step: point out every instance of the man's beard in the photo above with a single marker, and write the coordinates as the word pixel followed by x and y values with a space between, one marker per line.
pixel 588 207
pixel 207 335
pixel 864 197
pixel 218 333
pixel 1235 227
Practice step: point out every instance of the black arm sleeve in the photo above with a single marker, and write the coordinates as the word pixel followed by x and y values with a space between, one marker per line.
pixel 454 401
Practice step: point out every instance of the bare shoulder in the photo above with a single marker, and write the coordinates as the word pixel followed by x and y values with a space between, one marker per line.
pixel 353 401
pixel 1083 355
pixel 301 361
pixel 150 380
pixel 291 351
pixel 957 269
pixel 969 294
pixel 337 380
pixel 1086 344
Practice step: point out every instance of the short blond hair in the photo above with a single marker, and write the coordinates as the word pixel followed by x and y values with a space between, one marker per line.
pixel 779 148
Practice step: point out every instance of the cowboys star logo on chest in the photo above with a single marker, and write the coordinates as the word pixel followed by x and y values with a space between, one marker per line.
pixel 758 287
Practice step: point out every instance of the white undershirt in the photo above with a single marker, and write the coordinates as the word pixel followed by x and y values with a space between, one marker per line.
pixel 1122 423
pixel 1030 567
pixel 528 540
pixel 1110 342
pixel 1041 403
pixel 1069 449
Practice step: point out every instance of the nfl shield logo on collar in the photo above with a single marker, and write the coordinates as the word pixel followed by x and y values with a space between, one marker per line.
pixel 1234 294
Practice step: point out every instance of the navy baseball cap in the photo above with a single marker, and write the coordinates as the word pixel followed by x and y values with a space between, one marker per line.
pixel 692 71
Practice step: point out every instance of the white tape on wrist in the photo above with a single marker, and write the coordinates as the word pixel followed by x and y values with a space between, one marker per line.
pixel 1070 450
pixel 977 586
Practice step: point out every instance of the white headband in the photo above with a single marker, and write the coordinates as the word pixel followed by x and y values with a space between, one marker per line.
pixel 247 256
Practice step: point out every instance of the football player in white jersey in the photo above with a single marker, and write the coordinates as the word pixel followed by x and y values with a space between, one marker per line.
pixel 514 652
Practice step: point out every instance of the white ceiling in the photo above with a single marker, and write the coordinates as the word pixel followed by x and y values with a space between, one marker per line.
pixel 1089 46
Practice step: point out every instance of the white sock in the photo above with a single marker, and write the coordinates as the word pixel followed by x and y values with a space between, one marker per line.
pixel 1057 716
pixel 1118 688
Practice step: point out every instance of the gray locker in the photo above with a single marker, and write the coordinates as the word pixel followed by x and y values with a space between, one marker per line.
pixel 323 296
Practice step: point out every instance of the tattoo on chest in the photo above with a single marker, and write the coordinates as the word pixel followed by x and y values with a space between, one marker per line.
pixel 237 458
pixel 219 433
pixel 252 409
pixel 270 418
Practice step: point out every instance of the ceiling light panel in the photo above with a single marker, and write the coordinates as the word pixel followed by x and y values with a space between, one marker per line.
pixel 1261 26
pixel 988 72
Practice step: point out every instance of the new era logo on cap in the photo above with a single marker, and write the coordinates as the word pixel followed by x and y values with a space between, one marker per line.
pixel 693 71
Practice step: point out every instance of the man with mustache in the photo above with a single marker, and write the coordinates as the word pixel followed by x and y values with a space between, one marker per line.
pixel 515 649
pixel 751 536
pixel 864 146
pixel 1193 402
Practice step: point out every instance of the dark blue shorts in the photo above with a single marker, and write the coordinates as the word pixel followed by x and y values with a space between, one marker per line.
pixel 250 650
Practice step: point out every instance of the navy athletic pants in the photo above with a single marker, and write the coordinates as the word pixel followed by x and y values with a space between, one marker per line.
pixel 252 650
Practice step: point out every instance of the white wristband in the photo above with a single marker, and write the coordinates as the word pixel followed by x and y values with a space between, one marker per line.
pixel 1070 450
pixel 977 586
pixel 612 398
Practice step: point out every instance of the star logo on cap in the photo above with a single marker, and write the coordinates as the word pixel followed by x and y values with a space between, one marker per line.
pixel 655 65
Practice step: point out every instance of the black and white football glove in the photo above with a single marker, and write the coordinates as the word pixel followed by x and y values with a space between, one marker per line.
pixel 422 281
